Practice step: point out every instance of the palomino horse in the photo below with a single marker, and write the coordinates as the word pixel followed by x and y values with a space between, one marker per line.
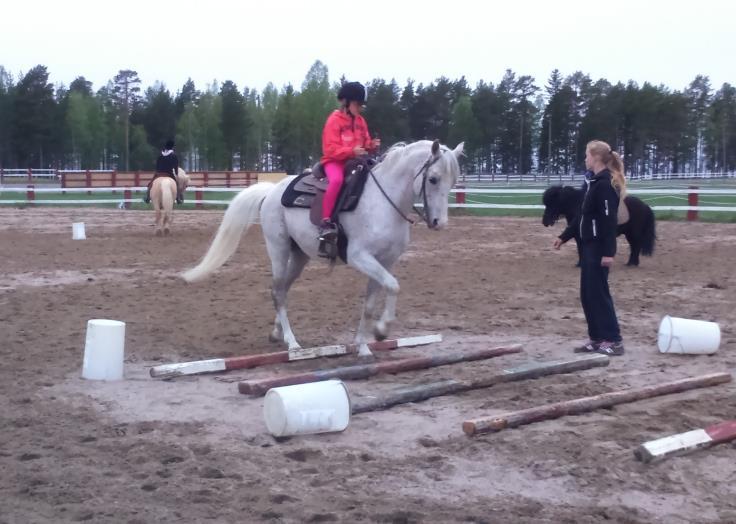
pixel 377 230
pixel 163 196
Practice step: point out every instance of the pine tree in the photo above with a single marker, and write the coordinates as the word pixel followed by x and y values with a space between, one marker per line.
pixel 126 93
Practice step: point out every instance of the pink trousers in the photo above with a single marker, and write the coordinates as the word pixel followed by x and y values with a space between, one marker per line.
pixel 335 177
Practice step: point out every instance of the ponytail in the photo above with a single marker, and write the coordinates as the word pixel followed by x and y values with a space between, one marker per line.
pixel 616 166
pixel 613 162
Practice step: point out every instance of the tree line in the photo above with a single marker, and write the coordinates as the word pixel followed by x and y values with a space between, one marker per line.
pixel 512 126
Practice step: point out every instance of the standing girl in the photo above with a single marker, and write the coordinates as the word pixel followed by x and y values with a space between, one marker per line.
pixel 598 223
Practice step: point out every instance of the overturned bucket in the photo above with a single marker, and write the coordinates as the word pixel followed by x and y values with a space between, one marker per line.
pixel 318 407
pixel 78 231
pixel 684 335
pixel 104 350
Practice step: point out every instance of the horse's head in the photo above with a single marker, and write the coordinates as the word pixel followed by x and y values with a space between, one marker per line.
pixel 434 182
pixel 552 200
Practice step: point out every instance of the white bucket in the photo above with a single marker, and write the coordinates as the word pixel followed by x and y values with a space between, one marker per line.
pixel 78 231
pixel 104 350
pixel 318 407
pixel 683 335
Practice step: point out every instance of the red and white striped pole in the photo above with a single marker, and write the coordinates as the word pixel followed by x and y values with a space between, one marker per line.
pixel 686 442
pixel 251 361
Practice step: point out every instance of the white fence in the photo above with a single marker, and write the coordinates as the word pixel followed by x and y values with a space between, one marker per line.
pixel 691 194
pixel 461 197
pixel 557 178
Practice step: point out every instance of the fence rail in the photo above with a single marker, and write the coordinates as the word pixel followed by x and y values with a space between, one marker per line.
pixel 460 196
pixel 75 178
pixel 558 178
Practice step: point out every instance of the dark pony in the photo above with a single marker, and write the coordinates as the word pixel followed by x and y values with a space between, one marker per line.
pixel 639 230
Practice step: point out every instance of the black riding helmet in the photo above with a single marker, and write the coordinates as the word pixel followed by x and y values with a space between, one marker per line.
pixel 352 92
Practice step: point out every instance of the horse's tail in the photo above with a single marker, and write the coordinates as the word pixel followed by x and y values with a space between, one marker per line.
pixel 240 215
pixel 649 233
pixel 168 190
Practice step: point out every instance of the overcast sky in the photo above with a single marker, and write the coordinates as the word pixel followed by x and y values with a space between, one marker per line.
pixel 253 43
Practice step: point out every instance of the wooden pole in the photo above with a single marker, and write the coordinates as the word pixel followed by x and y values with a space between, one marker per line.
pixel 586 404
pixel 251 361
pixel 692 200
pixel 449 387
pixel 260 387
pixel 683 443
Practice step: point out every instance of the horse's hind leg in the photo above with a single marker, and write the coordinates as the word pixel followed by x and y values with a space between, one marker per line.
pixel 159 221
pixel 635 247
pixel 287 263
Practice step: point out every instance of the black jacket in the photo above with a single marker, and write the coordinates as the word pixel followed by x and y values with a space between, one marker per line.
pixel 168 164
pixel 598 219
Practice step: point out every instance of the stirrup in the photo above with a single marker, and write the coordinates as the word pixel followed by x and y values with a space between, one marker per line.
pixel 327 249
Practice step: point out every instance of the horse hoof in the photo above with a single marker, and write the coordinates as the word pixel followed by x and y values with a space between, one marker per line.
pixel 158 233
pixel 167 232
pixel 380 331
pixel 364 354
pixel 275 338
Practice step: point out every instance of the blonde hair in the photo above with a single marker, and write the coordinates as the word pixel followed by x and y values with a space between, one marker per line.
pixel 612 161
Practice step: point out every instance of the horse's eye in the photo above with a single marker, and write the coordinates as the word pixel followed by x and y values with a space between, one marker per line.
pixel 433 180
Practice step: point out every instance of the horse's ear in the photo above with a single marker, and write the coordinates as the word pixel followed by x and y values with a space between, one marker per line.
pixel 459 150
pixel 435 147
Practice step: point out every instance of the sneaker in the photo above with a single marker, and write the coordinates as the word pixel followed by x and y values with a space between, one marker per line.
pixel 588 347
pixel 610 348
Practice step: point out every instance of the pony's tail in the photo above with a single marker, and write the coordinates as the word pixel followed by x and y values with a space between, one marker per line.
pixel 649 234
pixel 240 215
pixel 167 201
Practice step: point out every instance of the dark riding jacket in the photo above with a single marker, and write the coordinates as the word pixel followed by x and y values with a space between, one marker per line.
pixel 168 164
pixel 598 219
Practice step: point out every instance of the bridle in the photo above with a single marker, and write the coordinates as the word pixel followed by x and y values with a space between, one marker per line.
pixel 424 212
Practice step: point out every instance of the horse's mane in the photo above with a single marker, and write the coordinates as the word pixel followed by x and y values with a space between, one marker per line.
pixel 397 151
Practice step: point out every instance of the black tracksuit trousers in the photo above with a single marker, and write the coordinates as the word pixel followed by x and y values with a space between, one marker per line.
pixel 596 297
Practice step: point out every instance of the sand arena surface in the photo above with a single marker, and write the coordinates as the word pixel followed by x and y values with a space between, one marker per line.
pixel 194 450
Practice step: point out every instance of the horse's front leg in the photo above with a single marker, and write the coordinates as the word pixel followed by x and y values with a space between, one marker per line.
pixel 368 265
pixel 369 309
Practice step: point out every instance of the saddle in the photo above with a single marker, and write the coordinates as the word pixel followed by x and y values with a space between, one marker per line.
pixel 307 190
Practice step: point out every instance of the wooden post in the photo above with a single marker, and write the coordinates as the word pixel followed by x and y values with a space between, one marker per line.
pixel 127 195
pixel 460 195
pixel 692 200
pixel 683 443
pixel 586 404
pixel 30 194
pixel 88 180
pixel 114 180
pixel 227 179
pixel 30 175
pixel 449 387
pixel 206 178
pixel 198 195
pixel 260 387
pixel 251 361
pixel 137 180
